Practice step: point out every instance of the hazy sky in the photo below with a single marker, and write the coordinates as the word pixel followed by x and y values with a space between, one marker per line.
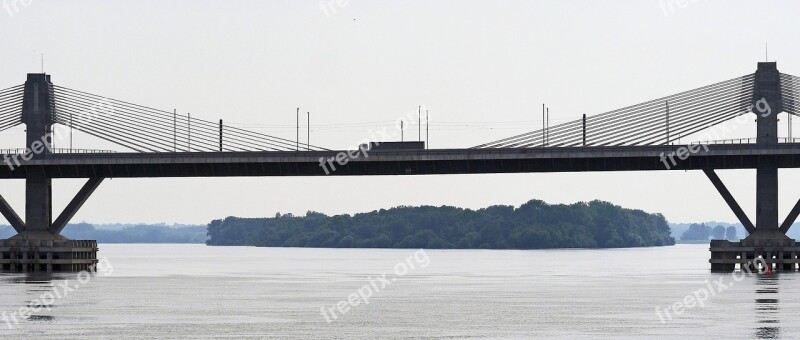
pixel 483 68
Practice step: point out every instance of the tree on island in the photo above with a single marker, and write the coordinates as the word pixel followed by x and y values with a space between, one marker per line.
pixel 731 234
pixel 697 232
pixel 719 232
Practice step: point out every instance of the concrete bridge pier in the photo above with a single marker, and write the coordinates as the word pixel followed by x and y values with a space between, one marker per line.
pixel 767 245
pixel 39 245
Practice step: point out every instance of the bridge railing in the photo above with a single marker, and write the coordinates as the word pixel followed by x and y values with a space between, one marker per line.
pixel 22 151
pixel 745 141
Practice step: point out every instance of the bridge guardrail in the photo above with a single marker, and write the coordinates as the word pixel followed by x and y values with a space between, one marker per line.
pixel 743 141
pixel 21 151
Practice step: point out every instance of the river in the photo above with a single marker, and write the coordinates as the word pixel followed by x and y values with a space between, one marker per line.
pixel 195 291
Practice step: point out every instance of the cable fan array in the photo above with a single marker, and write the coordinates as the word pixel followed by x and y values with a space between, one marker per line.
pixel 658 121
pixel 790 91
pixel 145 129
pixel 11 107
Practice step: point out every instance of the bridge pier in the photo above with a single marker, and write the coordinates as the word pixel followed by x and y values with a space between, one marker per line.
pixel 39 245
pixel 767 243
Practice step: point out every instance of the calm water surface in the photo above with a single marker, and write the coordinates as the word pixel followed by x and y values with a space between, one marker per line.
pixel 194 291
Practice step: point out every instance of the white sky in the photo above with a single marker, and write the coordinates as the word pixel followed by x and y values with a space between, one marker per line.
pixel 368 63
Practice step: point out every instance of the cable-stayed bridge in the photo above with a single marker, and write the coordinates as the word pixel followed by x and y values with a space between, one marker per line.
pixel 163 144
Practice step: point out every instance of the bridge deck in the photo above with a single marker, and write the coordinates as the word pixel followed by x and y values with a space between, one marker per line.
pixel 404 162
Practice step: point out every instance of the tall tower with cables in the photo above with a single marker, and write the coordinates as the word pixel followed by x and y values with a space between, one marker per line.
pixel 37 115
pixel 39 245
pixel 767 103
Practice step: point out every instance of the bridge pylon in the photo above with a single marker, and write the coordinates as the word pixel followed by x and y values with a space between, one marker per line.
pixel 39 245
pixel 767 243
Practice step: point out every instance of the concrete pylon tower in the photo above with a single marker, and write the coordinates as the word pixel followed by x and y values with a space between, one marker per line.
pixel 38 109
pixel 767 103
pixel 39 245
pixel 767 242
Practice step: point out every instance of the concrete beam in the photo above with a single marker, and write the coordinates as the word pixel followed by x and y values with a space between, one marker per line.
pixel 11 215
pixel 75 205
pixel 737 210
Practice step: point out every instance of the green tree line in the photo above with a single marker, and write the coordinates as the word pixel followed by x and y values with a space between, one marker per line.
pixel 534 225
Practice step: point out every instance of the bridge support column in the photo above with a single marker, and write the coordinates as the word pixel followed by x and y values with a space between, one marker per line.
pixel 39 245
pixel 767 196
pixel 38 205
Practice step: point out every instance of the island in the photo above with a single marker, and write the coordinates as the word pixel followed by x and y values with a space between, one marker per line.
pixel 533 225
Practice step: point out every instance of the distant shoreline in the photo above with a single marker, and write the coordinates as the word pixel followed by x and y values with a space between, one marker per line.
pixel 129 233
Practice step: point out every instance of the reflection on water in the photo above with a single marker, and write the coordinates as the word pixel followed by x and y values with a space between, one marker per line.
pixel 27 278
pixel 39 294
pixel 36 279
pixel 767 307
